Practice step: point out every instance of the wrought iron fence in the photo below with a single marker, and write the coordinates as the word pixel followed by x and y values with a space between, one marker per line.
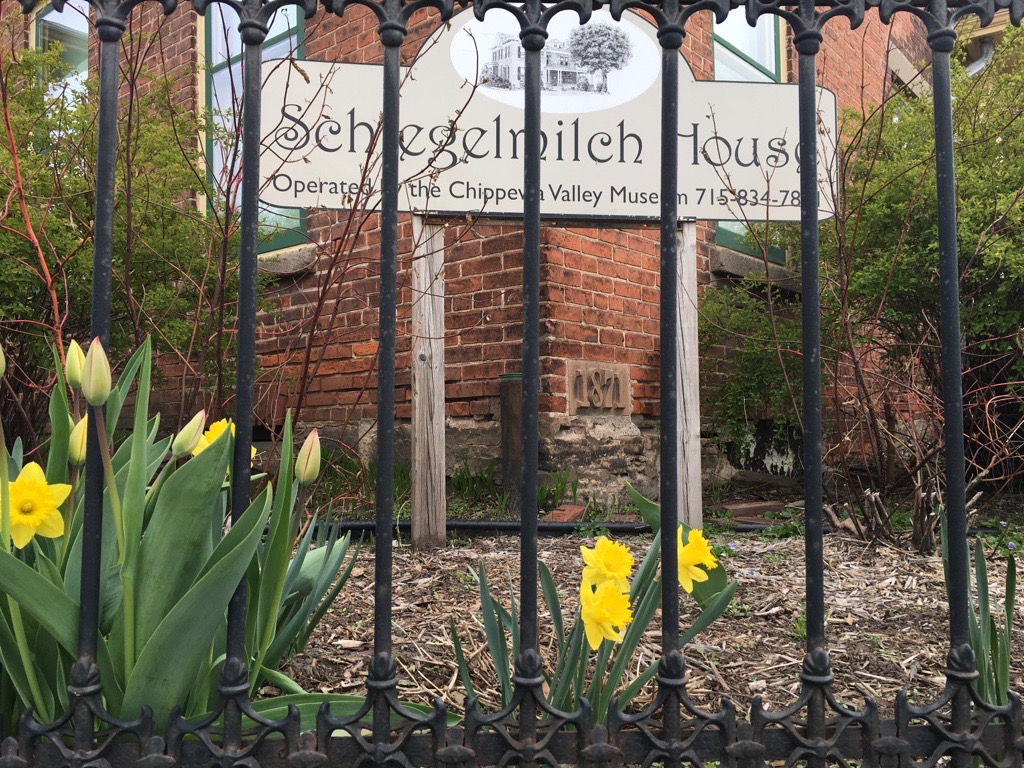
pixel 957 728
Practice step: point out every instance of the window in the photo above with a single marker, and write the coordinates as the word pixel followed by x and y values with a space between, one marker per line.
pixel 281 227
pixel 749 54
pixel 69 30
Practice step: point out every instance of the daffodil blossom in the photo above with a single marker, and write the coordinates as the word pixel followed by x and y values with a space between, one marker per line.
pixel 696 553
pixel 34 506
pixel 211 434
pixel 605 613
pixel 607 561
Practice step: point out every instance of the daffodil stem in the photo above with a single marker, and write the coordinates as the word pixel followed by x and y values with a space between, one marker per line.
pixel 108 473
pixel 38 702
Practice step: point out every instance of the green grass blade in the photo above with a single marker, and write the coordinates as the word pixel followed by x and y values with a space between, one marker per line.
pixel 1009 605
pixel 649 599
pixel 710 613
pixel 280 680
pixel 512 624
pixel 567 665
pixel 650 511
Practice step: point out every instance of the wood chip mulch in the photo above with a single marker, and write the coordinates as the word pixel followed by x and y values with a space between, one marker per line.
pixel 886 622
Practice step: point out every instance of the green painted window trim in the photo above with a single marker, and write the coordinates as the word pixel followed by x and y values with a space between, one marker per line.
pixel 776 75
pixel 287 238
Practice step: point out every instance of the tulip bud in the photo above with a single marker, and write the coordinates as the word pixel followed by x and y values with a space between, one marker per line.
pixel 188 438
pixel 3 362
pixel 75 363
pixel 307 463
pixel 76 445
pixel 96 374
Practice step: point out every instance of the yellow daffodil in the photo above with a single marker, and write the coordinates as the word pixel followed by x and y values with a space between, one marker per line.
pixel 696 553
pixel 34 506
pixel 211 434
pixel 74 365
pixel 607 561
pixel 605 613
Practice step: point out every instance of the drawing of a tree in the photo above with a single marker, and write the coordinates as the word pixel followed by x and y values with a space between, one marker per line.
pixel 600 48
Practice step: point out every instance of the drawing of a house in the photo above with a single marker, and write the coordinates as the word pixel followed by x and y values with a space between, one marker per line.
pixel 507 69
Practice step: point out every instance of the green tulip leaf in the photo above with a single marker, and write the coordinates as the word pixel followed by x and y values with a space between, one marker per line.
pixel 182 640
pixel 177 541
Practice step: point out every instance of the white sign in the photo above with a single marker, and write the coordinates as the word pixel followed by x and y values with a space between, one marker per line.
pixel 462 129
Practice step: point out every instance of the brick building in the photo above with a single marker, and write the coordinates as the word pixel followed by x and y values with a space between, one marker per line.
pixel 599 291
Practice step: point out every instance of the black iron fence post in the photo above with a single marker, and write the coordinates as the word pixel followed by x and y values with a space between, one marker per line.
pixel 92 524
pixel 392 34
pixel 816 673
pixel 961 660
pixel 671 39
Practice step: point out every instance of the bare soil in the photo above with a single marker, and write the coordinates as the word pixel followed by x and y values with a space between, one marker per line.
pixel 886 621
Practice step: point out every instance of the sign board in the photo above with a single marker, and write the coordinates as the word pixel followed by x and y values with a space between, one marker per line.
pixel 462 129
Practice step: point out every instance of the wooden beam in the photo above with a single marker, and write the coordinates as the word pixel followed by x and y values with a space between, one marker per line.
pixel 428 442
pixel 691 505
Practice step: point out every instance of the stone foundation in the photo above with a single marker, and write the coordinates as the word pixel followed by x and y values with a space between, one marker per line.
pixel 602 453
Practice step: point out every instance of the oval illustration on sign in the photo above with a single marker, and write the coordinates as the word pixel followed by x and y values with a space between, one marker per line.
pixel 583 68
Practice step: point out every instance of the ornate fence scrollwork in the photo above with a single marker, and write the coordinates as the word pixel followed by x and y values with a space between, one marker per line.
pixel 816 730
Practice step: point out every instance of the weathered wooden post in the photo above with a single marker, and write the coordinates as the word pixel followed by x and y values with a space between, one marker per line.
pixel 691 504
pixel 428 442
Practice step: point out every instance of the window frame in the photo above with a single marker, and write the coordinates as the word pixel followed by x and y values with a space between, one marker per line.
pixel 726 236
pixel 36 42
pixel 287 237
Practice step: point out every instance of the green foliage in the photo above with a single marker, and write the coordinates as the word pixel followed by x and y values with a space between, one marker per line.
pixel 798 629
pixel 758 377
pixel 575 672
pixel 167 572
pixel 474 485
pixel 990 634
pixel 174 271
pixel 786 523
pixel 558 488
pixel 893 254
pixel 880 297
